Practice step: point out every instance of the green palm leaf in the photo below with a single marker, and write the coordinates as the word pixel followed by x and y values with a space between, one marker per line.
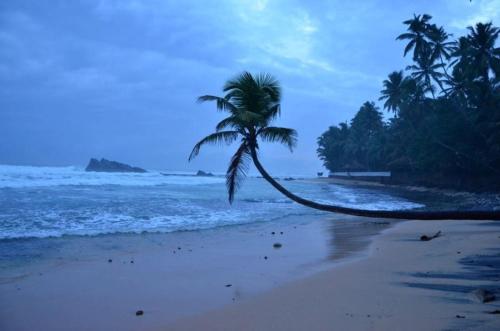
pixel 227 137
pixel 223 104
pixel 237 170
pixel 232 122
pixel 284 136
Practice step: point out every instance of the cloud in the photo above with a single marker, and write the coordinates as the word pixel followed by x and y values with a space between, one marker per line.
pixel 477 11
pixel 287 38
pixel 122 76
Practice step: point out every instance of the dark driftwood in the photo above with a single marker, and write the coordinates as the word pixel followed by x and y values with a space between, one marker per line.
pixel 427 238
pixel 394 214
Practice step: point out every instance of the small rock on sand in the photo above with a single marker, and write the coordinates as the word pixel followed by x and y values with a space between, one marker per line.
pixel 277 245
pixel 110 260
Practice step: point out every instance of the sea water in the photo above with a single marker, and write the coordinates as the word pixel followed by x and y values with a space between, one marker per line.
pixel 42 202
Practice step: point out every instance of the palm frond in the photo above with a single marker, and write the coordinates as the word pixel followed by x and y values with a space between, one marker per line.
pixel 408 47
pixel 273 113
pixel 237 170
pixel 284 136
pixel 215 138
pixel 240 82
pixel 223 104
pixel 250 117
pixel 232 122
pixel 270 85
pixel 405 36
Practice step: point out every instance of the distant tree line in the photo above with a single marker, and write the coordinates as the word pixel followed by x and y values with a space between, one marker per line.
pixel 446 109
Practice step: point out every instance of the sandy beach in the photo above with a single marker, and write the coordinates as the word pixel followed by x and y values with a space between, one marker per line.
pixel 328 275
pixel 404 284
pixel 99 282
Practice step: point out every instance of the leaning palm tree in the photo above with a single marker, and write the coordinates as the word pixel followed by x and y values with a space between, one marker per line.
pixel 252 103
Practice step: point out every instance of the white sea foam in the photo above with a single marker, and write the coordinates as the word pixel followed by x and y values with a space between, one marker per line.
pixel 56 225
pixel 45 202
pixel 386 204
pixel 365 199
pixel 28 176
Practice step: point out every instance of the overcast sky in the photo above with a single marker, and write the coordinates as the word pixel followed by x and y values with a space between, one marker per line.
pixel 119 79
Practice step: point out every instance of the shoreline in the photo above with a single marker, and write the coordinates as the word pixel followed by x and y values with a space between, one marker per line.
pixel 431 197
pixel 421 286
pixel 415 188
pixel 173 275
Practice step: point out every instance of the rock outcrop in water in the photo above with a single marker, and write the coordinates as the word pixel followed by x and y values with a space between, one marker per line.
pixel 204 174
pixel 104 165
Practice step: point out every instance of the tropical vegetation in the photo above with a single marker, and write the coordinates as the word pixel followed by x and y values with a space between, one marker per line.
pixel 445 109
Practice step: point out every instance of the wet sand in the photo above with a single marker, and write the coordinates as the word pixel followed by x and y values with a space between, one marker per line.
pixel 405 284
pixel 98 283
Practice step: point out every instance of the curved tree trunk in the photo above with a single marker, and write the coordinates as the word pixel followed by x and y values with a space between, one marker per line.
pixel 396 214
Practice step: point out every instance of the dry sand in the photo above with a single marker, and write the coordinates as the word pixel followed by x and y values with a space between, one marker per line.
pixel 405 284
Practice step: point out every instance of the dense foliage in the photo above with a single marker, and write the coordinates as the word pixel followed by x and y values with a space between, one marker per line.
pixel 446 109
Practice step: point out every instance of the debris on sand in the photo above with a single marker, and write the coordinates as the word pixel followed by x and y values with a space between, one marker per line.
pixel 427 238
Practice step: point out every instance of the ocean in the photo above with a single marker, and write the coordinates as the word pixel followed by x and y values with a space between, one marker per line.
pixel 43 202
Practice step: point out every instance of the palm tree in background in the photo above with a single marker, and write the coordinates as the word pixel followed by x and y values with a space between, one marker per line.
pixel 458 86
pixel 417 29
pixel 253 102
pixel 426 71
pixel 398 90
pixel 440 48
pixel 476 54
pixel 484 55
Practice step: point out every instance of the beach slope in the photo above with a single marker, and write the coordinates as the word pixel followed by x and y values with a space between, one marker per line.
pixel 405 284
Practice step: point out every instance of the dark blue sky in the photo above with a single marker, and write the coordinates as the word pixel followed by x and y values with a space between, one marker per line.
pixel 119 79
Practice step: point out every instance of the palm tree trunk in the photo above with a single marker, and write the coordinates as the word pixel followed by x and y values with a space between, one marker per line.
pixel 395 214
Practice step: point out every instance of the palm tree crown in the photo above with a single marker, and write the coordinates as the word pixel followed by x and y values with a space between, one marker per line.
pixel 417 29
pixel 399 90
pixel 426 71
pixel 441 48
pixel 485 56
pixel 252 103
